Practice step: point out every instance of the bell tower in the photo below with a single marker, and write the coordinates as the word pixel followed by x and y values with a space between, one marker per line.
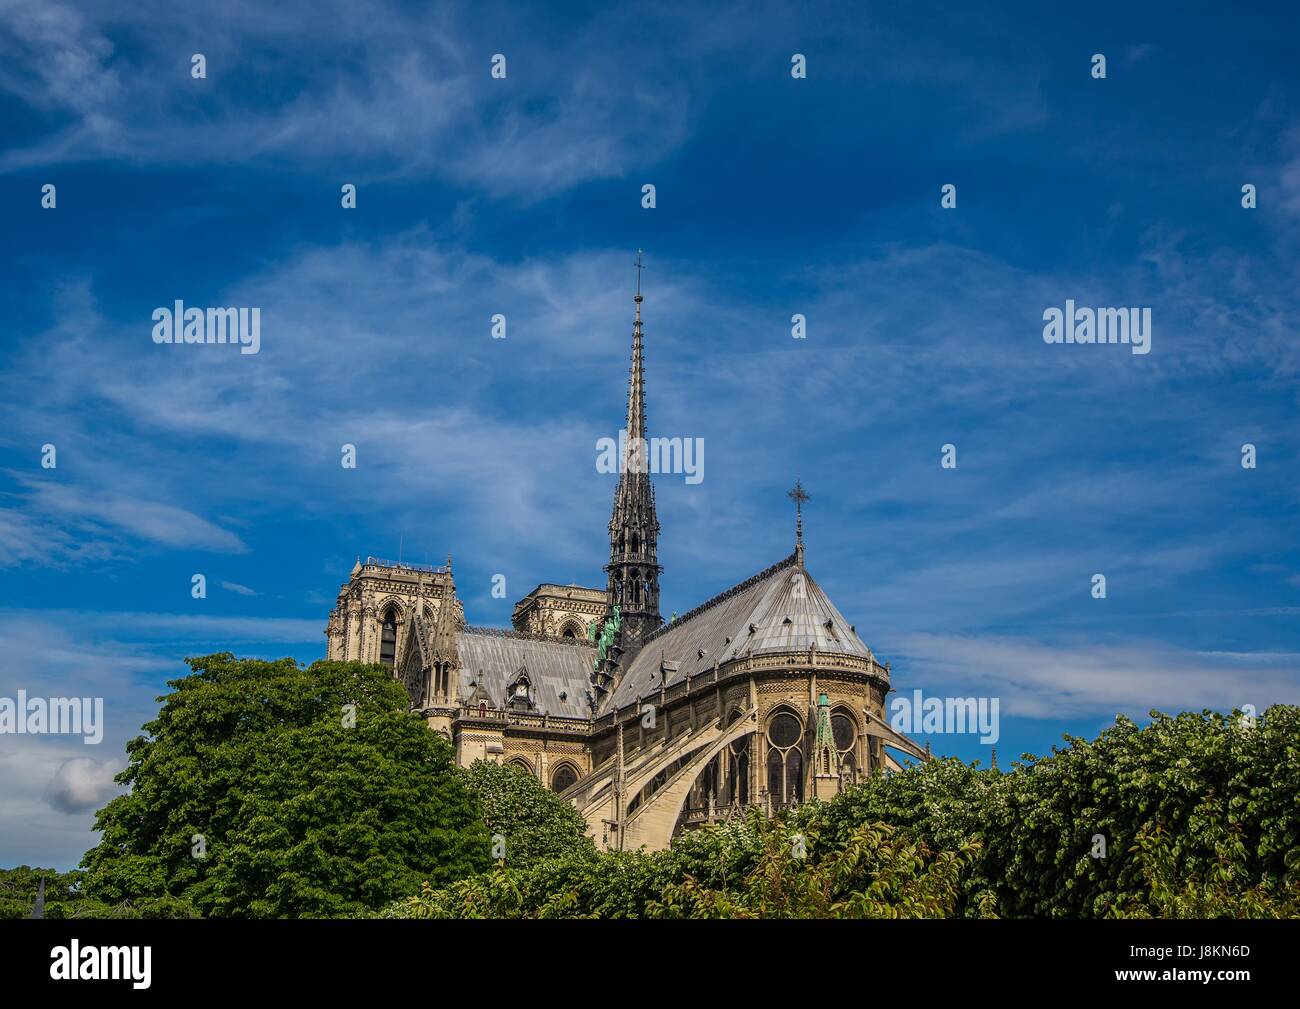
pixel 633 566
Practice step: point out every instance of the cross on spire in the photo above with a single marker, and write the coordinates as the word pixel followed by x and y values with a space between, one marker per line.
pixel 798 495
pixel 639 267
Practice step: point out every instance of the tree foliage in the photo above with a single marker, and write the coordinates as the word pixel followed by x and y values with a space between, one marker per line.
pixel 534 822
pixel 252 795
pixel 1199 813
pixel 66 898
pixel 1200 787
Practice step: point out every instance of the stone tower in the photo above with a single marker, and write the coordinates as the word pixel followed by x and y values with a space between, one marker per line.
pixel 633 567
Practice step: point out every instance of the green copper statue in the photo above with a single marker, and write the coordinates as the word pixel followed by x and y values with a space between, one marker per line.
pixel 608 635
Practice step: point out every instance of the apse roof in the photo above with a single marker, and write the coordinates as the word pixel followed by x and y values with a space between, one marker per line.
pixel 781 609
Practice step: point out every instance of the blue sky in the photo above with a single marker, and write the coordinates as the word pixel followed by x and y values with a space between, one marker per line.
pixel 775 196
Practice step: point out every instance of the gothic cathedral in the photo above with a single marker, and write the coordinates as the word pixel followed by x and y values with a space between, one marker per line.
pixel 763 695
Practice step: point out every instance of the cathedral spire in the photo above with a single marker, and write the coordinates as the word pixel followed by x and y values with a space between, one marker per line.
pixel 633 525
pixel 636 381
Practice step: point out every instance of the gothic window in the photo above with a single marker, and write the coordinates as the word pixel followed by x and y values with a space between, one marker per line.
pixel 845 732
pixel 794 776
pixel 521 764
pixel 784 759
pixel 563 777
pixel 636 544
pixel 738 772
pixel 388 639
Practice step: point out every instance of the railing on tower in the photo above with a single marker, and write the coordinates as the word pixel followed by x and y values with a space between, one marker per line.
pixel 380 562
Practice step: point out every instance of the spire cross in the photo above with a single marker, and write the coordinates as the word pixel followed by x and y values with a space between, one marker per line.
pixel 798 495
pixel 639 267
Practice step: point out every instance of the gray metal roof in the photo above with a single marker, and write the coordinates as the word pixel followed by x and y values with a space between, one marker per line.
pixel 491 658
pixel 787 609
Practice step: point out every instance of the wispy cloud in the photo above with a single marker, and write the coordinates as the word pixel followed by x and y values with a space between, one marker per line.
pixel 59 523
pixel 1062 680
pixel 394 90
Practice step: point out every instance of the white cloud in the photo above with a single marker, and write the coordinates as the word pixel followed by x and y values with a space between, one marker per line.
pixel 1037 679
pixel 393 90
pixel 81 784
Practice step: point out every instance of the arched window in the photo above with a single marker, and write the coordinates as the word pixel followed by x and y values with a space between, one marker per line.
pixel 845 732
pixel 634 596
pixel 521 764
pixel 388 639
pixel 738 772
pixel 636 544
pixel 784 759
pixel 563 777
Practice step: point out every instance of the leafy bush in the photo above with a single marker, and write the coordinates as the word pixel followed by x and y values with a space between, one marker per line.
pixel 1213 786
pixel 535 822
pixel 1199 813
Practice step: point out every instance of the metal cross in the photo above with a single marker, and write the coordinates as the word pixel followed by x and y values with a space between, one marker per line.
pixel 798 496
pixel 639 268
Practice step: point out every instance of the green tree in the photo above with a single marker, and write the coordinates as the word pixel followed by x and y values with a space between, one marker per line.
pixel 535 822
pixel 268 790
pixel 1212 786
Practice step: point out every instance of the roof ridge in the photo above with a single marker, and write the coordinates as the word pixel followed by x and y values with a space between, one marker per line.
pixel 708 604
pixel 509 632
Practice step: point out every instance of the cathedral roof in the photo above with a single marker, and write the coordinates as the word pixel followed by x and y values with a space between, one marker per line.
pixel 492 657
pixel 781 609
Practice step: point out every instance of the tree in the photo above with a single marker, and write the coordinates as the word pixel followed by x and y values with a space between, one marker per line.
pixel 1061 833
pixel 265 789
pixel 535 822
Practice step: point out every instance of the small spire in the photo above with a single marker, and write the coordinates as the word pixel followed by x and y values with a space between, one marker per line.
pixel 798 495
pixel 38 910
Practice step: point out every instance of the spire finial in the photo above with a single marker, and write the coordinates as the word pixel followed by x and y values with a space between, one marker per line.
pixel 639 267
pixel 798 495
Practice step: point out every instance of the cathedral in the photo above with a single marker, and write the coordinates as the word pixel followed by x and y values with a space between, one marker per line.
pixel 763 695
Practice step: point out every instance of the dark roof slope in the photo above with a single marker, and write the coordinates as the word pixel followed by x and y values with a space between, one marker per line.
pixel 787 610
pixel 490 658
